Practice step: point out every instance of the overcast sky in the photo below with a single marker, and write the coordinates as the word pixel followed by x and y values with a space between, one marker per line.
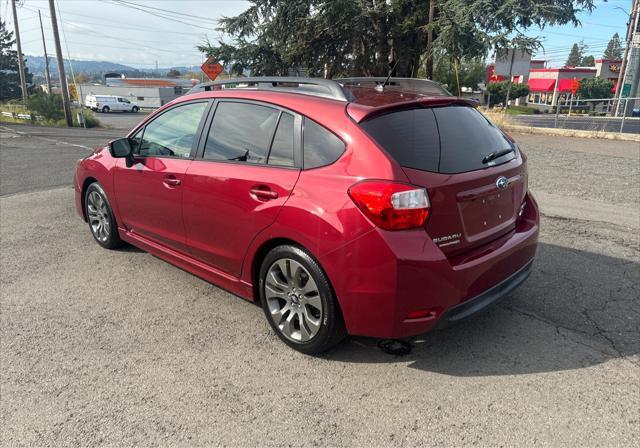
pixel 105 31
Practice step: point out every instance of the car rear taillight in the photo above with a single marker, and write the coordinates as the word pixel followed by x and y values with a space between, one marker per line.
pixel 391 205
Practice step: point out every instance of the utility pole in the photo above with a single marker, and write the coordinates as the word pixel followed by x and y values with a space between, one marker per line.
pixel 429 65
pixel 506 102
pixel 61 74
pixel 46 57
pixel 623 68
pixel 23 81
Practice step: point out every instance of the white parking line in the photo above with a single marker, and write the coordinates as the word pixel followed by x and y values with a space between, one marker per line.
pixel 13 131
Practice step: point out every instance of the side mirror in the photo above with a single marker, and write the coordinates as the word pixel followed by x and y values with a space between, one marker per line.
pixel 122 149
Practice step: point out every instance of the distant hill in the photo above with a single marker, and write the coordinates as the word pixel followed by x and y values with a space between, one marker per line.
pixel 36 65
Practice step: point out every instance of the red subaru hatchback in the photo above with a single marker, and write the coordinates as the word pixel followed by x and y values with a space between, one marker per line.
pixel 361 206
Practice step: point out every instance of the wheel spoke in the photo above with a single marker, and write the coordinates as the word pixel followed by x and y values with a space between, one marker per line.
pixel 288 327
pixel 278 313
pixel 273 291
pixel 305 333
pixel 309 289
pixel 275 280
pixel 311 321
pixel 314 301
pixel 285 268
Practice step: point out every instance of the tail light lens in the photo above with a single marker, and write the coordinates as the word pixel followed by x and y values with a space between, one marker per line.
pixel 391 205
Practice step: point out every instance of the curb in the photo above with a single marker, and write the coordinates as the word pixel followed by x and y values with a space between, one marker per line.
pixel 573 133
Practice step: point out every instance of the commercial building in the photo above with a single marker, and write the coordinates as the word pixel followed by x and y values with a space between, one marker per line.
pixel 548 85
pixel 146 92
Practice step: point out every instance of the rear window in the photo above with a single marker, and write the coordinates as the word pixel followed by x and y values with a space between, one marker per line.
pixel 448 140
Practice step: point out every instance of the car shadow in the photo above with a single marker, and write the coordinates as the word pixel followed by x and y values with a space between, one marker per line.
pixel 576 310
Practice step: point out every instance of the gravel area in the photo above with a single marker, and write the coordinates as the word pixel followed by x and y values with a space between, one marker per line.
pixel 119 348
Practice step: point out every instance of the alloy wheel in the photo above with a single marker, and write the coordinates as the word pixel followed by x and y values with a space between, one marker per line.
pixel 99 217
pixel 294 300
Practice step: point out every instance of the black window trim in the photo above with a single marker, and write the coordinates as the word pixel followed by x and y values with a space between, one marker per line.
pixel 197 137
pixel 297 132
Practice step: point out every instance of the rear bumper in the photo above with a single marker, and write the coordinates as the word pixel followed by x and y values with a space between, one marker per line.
pixel 400 284
pixel 480 303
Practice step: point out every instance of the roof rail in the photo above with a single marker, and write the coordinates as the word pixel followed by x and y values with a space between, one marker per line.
pixel 421 86
pixel 325 88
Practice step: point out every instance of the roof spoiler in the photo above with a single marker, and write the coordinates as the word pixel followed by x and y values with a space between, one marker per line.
pixel 421 86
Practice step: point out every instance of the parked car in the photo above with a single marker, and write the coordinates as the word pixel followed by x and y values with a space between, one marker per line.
pixel 344 208
pixel 110 103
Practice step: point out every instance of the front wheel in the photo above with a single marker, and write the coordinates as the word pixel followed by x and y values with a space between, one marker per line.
pixel 298 301
pixel 135 109
pixel 100 217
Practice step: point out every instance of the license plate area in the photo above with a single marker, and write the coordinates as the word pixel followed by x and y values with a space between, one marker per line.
pixel 487 213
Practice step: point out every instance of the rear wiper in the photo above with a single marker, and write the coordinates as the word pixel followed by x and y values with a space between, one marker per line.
pixel 496 154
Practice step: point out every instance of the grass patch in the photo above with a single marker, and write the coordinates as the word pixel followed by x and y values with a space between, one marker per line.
pixel 522 110
pixel 91 121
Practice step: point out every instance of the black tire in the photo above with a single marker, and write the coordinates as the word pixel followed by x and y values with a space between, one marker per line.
pixel 135 109
pixel 108 237
pixel 105 109
pixel 331 330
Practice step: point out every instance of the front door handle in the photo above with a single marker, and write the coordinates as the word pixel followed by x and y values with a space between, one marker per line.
pixel 264 193
pixel 171 181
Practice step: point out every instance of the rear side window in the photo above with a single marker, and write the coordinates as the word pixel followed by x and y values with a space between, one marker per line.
pixel 241 132
pixel 447 140
pixel 321 147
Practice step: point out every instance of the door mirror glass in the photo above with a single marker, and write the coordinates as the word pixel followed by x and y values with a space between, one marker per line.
pixel 120 148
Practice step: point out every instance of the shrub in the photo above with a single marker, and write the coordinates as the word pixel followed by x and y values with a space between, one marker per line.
pixel 90 120
pixel 48 106
pixel 498 91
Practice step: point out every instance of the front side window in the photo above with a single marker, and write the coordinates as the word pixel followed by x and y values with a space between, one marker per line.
pixel 172 134
pixel 241 132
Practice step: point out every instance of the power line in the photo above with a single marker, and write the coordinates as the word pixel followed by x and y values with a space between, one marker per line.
pixel 133 27
pixel 190 16
pixel 172 19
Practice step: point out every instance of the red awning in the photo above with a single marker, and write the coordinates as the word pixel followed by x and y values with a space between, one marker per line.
pixel 541 84
pixel 565 85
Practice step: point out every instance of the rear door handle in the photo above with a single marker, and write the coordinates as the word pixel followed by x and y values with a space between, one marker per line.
pixel 264 193
pixel 171 181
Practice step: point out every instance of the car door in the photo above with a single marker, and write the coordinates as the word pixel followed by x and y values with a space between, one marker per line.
pixel 149 193
pixel 245 171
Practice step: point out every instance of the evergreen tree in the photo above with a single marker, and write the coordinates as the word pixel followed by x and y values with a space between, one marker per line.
pixel 614 48
pixel 575 56
pixel 368 37
pixel 588 61
pixel 9 71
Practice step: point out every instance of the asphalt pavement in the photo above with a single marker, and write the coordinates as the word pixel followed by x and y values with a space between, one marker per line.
pixel 120 348
pixel 605 124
